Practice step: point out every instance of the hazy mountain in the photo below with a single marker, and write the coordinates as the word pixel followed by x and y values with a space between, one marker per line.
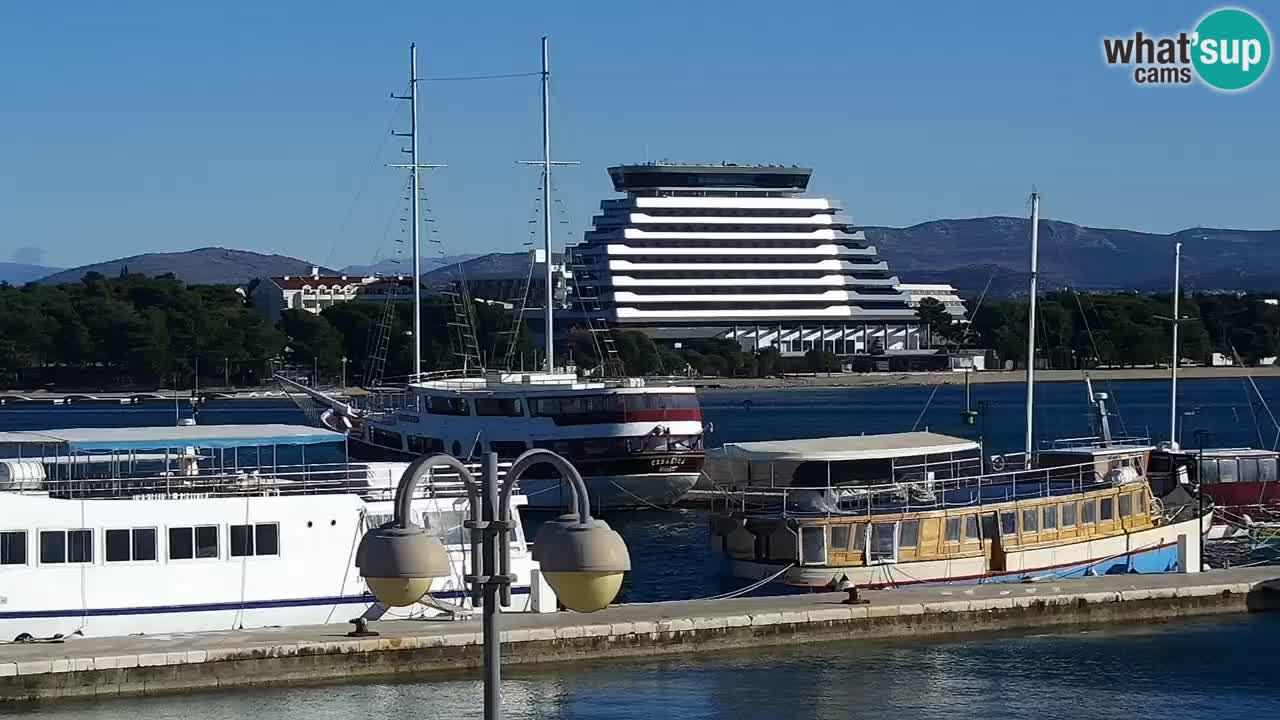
pixel 966 253
pixel 391 266
pixel 202 266
pixel 481 267
pixel 16 273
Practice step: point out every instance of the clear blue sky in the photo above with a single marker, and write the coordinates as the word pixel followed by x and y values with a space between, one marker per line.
pixel 130 127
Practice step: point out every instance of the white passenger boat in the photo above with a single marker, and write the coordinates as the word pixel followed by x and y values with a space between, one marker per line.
pixel 176 529
pixel 636 445
pixel 900 509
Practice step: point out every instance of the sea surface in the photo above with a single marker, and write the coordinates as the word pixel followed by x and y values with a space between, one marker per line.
pixel 1213 670
pixel 670 548
pixel 1192 671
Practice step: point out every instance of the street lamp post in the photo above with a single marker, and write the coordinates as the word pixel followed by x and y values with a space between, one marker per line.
pixel 582 558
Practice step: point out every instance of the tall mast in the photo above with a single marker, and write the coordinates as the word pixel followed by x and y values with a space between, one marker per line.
pixel 549 326
pixel 1177 352
pixel 1031 327
pixel 417 222
pixel 415 200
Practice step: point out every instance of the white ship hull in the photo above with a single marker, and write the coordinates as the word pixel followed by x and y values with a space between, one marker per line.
pixel 311 579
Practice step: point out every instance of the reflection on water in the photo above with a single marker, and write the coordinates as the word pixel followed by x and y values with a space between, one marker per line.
pixel 1201 671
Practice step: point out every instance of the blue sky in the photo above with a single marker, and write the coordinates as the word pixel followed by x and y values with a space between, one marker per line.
pixel 132 127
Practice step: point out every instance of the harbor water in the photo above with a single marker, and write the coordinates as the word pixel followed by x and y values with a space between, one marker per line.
pixel 669 548
pixel 1201 670
pixel 1188 670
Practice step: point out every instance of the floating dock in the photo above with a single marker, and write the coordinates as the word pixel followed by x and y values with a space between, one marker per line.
pixel 144 665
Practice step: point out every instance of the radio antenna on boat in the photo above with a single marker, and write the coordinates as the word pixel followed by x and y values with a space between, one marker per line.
pixel 1031 327
pixel 546 162
pixel 415 194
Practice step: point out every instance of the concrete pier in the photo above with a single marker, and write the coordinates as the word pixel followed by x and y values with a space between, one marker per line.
pixel 140 665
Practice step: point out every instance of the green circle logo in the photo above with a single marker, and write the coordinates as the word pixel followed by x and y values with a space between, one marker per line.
pixel 1232 49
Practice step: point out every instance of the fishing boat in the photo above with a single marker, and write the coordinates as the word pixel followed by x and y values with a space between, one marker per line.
pixel 637 445
pixel 898 509
pixel 124 531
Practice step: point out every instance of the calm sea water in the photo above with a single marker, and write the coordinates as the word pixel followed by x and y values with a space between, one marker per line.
pixel 1192 671
pixel 1195 671
pixel 669 549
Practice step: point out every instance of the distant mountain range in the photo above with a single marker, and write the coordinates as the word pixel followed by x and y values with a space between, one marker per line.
pixel 204 266
pixel 964 253
pixel 23 273
pixel 391 266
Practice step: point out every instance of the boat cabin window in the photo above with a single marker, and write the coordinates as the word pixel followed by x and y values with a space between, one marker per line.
pixel 882 542
pixel 813 545
pixel 66 546
pixel 424 445
pixel 952 531
pixel 1126 505
pixel 259 539
pixel 840 537
pixel 909 533
pixel 1068 515
pixel 193 543
pixel 1088 512
pixel 971 528
pixel 439 405
pixel 1049 517
pixel 447 525
pixel 1106 509
pixel 1140 501
pixel 13 547
pixel 385 438
pixel 503 407
pixel 1008 522
pixel 859 537
pixel 507 449
pixel 1031 520
pixel 137 544
pixel 1228 470
pixel 1267 469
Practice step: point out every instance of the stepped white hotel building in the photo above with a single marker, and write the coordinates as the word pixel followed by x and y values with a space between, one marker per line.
pixel 738 251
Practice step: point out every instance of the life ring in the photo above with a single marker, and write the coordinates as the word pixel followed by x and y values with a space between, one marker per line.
pixel 997 462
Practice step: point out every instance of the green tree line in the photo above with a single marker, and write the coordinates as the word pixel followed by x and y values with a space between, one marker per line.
pixel 1075 330
pixel 135 331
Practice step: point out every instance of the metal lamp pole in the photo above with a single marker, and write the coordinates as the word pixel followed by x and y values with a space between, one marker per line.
pixel 396 556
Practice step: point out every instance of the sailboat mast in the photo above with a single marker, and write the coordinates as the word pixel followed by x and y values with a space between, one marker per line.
pixel 1031 327
pixel 1177 352
pixel 414 201
pixel 549 322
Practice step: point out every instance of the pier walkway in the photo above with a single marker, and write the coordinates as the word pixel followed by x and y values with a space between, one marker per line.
pixel 87 667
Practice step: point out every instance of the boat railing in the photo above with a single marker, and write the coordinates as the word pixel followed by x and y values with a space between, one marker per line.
pixel 373 481
pixel 1094 442
pixel 918 494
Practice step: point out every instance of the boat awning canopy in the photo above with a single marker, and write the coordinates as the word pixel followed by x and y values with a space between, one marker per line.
pixel 152 438
pixel 856 447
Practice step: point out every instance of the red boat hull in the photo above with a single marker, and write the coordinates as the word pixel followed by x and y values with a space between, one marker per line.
pixel 1244 493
